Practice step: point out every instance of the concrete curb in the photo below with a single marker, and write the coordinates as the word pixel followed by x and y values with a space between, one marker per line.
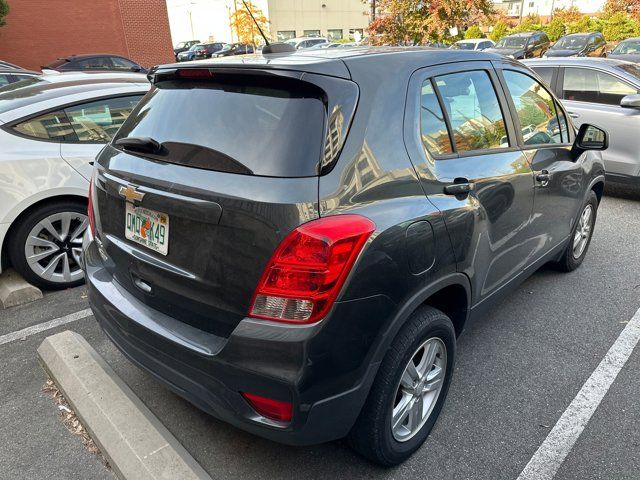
pixel 15 290
pixel 132 438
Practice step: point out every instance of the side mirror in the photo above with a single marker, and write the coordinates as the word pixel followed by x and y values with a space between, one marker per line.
pixel 135 69
pixel 591 137
pixel 630 101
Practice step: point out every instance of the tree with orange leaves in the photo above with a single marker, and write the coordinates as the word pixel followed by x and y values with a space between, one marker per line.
pixel 243 25
pixel 419 21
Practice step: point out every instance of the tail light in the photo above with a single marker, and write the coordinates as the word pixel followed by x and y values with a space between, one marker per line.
pixel 307 271
pixel 267 407
pixel 90 214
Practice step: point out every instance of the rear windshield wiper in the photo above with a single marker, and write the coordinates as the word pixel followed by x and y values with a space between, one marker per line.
pixel 139 144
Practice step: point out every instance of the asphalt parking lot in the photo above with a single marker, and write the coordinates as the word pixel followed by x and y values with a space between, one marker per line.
pixel 517 372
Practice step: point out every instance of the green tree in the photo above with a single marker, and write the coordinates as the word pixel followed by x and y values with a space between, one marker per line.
pixel 500 29
pixel 585 24
pixel 473 32
pixel 4 11
pixel 619 26
pixel 555 29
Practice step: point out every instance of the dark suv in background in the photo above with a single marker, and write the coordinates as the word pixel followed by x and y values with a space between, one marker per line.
pixel 522 45
pixel 310 284
pixel 579 45
pixel 98 61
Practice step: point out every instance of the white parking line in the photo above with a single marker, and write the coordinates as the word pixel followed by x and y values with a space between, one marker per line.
pixel 547 460
pixel 41 327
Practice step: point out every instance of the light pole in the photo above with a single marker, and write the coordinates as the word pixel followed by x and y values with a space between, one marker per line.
pixel 190 12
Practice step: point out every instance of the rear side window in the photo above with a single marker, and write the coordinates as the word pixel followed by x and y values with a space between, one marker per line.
pixel 50 126
pixel 473 110
pixel 536 109
pixel 585 85
pixel 234 124
pixel 99 121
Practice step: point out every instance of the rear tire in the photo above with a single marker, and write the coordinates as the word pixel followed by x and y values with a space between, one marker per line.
pixel 577 248
pixel 45 246
pixel 374 435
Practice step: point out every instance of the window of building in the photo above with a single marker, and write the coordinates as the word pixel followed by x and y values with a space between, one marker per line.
pixel 284 35
pixel 433 128
pixel 356 33
pixel 335 34
pixel 98 121
pixel 473 109
pixel 535 108
pixel 585 85
pixel 311 33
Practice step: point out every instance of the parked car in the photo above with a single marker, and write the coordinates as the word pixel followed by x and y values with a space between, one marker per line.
pixel 207 50
pixel 51 128
pixel 11 75
pixel 190 54
pixel 628 50
pixel 184 46
pixel 234 49
pixel 603 92
pixel 104 62
pixel 4 64
pixel 306 42
pixel 437 45
pixel 522 45
pixel 579 45
pixel 473 44
pixel 310 284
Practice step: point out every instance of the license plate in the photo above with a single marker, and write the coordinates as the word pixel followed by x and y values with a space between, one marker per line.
pixel 147 227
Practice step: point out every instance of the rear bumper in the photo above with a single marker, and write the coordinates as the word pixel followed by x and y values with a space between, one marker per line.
pixel 300 364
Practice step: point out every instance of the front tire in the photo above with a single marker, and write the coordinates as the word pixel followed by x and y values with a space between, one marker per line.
pixel 45 246
pixel 581 235
pixel 409 390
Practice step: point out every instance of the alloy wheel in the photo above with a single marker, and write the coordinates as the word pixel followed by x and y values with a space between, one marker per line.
pixel 54 246
pixel 583 231
pixel 419 389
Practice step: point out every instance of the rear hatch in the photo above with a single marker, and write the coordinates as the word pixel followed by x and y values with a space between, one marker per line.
pixel 206 177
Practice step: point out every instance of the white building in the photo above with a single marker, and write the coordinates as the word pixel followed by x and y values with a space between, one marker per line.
pixel 517 8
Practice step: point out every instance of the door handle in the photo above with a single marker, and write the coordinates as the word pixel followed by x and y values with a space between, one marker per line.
pixel 574 115
pixel 460 186
pixel 543 177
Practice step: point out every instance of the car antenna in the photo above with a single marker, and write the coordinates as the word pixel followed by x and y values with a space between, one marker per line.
pixel 278 47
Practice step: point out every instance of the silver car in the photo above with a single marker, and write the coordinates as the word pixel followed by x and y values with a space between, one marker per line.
pixel 606 93
pixel 51 128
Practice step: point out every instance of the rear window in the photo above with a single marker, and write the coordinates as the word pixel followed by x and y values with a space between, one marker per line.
pixel 233 124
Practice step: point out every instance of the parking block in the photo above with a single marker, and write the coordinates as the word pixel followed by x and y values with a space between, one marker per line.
pixel 15 290
pixel 136 444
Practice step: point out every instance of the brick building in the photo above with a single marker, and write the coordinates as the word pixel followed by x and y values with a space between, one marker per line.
pixel 39 31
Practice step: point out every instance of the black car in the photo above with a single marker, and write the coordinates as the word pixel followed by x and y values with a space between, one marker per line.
pixel 11 75
pixel 310 284
pixel 234 49
pixel 579 45
pixel 522 45
pixel 208 50
pixel 94 62
pixel 184 46
pixel 628 50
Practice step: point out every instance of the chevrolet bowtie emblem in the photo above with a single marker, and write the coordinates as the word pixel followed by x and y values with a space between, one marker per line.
pixel 130 193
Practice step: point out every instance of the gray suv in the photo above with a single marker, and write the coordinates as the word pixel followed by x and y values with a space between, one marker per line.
pixel 602 92
pixel 308 282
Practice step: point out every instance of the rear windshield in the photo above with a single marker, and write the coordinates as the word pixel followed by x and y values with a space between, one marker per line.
pixel 232 124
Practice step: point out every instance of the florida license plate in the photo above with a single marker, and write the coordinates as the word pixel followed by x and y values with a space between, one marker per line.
pixel 147 227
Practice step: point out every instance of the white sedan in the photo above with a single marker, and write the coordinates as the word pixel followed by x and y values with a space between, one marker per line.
pixel 51 129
